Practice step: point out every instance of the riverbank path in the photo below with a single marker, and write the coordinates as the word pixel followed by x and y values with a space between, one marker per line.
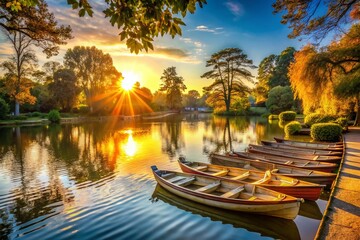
pixel 342 218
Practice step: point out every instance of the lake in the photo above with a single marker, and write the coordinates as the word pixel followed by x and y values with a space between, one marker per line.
pixel 93 181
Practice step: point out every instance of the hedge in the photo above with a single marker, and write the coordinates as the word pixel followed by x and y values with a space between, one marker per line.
pixel 292 128
pixel 273 117
pixel 329 132
pixel 287 116
pixel 313 118
pixel 54 116
pixel 4 109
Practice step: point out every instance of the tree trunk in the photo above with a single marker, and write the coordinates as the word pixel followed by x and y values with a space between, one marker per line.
pixel 357 118
pixel 17 108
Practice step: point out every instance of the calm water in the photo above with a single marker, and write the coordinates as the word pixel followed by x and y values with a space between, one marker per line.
pixel 93 181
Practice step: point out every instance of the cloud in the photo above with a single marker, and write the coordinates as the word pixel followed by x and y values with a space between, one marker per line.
pixel 235 8
pixel 203 28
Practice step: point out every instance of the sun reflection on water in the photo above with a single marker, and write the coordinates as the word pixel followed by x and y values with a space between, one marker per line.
pixel 130 146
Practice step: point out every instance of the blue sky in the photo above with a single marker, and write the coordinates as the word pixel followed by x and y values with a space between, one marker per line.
pixel 249 25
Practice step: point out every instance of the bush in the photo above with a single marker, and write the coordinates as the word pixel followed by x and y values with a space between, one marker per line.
pixel 54 116
pixel 287 116
pixel 329 132
pixel 292 128
pixel 280 99
pixel 4 109
pixel 18 117
pixel 273 117
pixel 313 118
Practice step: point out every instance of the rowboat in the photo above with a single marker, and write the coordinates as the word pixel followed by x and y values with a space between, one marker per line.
pixel 287 153
pixel 288 161
pixel 279 183
pixel 327 146
pixel 273 227
pixel 228 194
pixel 276 169
pixel 286 147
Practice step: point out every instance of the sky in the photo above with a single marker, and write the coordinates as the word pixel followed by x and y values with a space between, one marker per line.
pixel 248 25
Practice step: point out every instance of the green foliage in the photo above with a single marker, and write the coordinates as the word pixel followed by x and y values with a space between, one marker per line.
pixel 287 116
pixel 20 117
pixel 342 121
pixel 259 111
pixel 4 109
pixel 292 128
pixel 54 116
pixel 241 104
pixel 173 86
pixel 229 63
pixel 280 99
pixel 140 21
pixel 273 117
pixel 313 118
pixel 279 76
pixel 329 132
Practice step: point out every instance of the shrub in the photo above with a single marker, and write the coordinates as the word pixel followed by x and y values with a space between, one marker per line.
pixel 273 117
pixel 280 99
pixel 292 128
pixel 54 116
pixel 4 109
pixel 18 117
pixel 329 132
pixel 287 116
pixel 313 118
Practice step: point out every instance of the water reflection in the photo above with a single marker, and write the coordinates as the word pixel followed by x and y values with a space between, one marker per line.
pixel 277 228
pixel 52 177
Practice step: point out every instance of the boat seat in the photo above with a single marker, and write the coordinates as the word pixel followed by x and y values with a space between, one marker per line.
pixel 220 173
pixel 275 170
pixel 306 163
pixel 316 158
pixel 209 188
pixel 242 176
pixel 310 172
pixel 167 175
pixel 234 193
pixel 262 181
pixel 289 162
pixel 201 168
pixel 175 179
pixel 252 198
pixel 186 181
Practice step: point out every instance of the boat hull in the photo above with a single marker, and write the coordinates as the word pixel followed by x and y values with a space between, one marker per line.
pixel 307 191
pixel 283 210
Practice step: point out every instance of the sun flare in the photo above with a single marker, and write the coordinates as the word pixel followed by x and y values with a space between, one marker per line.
pixel 130 78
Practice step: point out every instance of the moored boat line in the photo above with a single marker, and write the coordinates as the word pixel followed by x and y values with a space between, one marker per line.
pixel 283 184
pixel 306 151
pixel 265 150
pixel 288 161
pixel 327 146
pixel 318 177
pixel 228 194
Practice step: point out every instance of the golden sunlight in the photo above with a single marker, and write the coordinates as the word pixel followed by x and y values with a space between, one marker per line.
pixel 130 146
pixel 129 79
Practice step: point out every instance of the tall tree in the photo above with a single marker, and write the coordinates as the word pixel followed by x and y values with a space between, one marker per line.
pixel 64 89
pixel 173 85
pixel 279 76
pixel 94 71
pixel 192 98
pixel 229 72
pixel 27 26
pixel 265 72
pixel 316 17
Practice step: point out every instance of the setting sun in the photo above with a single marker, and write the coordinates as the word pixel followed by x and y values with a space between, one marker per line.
pixel 130 78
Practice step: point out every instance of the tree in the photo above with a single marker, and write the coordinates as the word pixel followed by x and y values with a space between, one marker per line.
pixel 315 73
pixel 279 76
pixel 229 70
pixel 18 69
pixel 173 85
pixel 192 99
pixel 26 26
pixel 265 72
pixel 94 71
pixel 32 19
pixel 64 89
pixel 140 21
pixel 308 17
pixel 280 99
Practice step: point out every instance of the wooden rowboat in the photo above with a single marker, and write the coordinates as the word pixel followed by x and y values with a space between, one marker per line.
pixel 292 149
pixel 276 228
pixel 327 146
pixel 288 161
pixel 228 194
pixel 298 173
pixel 287 153
pixel 283 184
